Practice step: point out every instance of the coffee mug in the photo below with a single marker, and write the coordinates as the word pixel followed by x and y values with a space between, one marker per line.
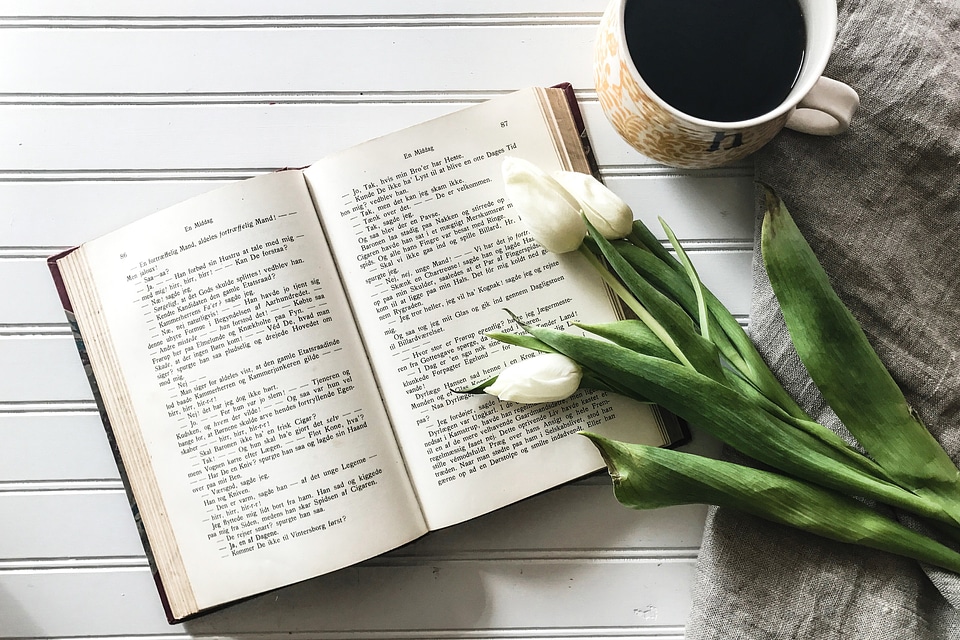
pixel 663 132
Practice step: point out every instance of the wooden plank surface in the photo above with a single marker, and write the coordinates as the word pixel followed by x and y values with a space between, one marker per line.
pixel 112 110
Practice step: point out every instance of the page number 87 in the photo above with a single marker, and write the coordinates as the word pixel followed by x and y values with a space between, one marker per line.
pixel 503 125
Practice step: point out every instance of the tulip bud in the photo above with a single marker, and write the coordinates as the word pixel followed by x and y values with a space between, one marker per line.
pixel 605 210
pixel 547 377
pixel 550 213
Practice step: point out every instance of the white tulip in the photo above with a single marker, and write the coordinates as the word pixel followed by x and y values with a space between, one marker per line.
pixel 605 210
pixel 547 377
pixel 550 213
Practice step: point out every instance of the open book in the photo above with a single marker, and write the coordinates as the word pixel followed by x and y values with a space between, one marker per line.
pixel 275 359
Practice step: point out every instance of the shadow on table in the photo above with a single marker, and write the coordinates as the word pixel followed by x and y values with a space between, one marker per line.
pixel 510 568
pixel 379 595
pixel 15 620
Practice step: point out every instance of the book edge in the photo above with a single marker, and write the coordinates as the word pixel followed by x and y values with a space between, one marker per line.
pixel 54 267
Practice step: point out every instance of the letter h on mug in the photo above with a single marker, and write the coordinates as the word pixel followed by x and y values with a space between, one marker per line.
pixel 700 83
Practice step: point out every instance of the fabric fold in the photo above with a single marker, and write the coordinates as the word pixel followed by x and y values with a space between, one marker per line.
pixel 880 205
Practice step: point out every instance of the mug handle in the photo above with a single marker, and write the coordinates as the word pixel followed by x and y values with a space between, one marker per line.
pixel 826 110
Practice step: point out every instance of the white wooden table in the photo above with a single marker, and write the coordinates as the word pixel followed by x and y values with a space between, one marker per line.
pixel 110 110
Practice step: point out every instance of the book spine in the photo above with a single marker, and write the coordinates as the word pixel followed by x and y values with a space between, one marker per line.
pixel 673 430
pixel 581 126
pixel 52 264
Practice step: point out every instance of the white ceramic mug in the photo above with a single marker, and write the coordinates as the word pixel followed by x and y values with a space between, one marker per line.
pixel 815 105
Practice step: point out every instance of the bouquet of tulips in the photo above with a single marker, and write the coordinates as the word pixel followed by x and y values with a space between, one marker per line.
pixel 685 352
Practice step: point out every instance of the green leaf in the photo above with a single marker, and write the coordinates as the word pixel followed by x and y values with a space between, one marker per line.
pixel 844 366
pixel 593 381
pixel 695 283
pixel 739 422
pixel 812 427
pixel 732 340
pixel 521 340
pixel 641 236
pixel 633 335
pixel 676 286
pixel 648 477
pixel 695 349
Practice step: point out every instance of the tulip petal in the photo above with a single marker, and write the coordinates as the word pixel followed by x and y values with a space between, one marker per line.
pixel 605 210
pixel 550 213
pixel 548 377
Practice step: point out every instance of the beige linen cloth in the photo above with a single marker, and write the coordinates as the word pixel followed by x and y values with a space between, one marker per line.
pixel 880 206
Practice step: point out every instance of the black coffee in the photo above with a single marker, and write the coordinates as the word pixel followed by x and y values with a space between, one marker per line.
pixel 723 60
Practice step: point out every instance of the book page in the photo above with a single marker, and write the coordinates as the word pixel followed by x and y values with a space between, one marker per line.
pixel 431 255
pixel 250 389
